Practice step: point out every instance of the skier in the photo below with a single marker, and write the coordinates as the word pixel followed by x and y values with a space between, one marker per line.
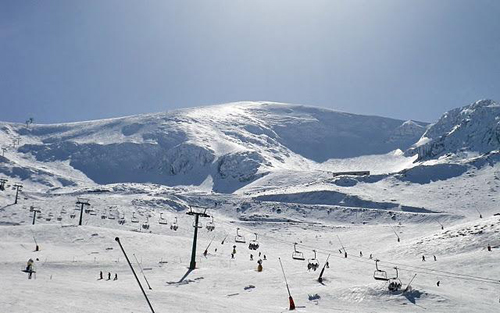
pixel 29 265
pixel 438 282
pixel 37 248
pixel 259 254
pixel 265 258
pixel 116 277
pixel 345 254
pixel 232 255
pixel 360 254
pixel 234 249
pixel 435 259
pixel 371 256
pixel 259 266
pixel 251 257
pixel 100 275
pixel 489 248
pixel 423 258
pixel 109 276
pixel 29 268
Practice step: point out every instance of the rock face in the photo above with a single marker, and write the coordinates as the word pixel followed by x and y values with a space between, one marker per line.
pixel 473 128
pixel 234 144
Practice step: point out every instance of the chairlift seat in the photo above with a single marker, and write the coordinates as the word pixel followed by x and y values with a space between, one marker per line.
pixel 239 239
pixel 298 256
pixel 380 275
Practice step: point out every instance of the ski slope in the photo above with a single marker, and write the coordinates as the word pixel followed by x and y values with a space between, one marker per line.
pixel 256 166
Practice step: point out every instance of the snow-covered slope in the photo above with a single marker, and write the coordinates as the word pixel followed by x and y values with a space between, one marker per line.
pixel 473 128
pixel 225 145
pixel 274 164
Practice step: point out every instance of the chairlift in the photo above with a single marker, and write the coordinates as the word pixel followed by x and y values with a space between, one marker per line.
pixel 146 224
pixel 395 283
pixel 210 225
pixel 134 219
pixel 297 255
pixel 174 225
pixel 254 244
pixel 313 263
pixel 162 220
pixel 379 274
pixel 239 238
pixel 121 220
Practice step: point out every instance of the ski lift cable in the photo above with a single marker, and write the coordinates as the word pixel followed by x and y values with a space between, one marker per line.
pixel 405 267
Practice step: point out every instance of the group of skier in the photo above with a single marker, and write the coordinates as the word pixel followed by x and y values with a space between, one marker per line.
pixel 109 276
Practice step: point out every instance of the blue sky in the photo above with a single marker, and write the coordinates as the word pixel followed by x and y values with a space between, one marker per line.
pixel 79 60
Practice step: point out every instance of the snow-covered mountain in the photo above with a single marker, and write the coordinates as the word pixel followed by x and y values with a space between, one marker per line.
pixel 226 145
pixel 473 128
pixel 262 171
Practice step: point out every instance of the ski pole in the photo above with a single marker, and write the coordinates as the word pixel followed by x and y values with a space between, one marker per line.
pixel 135 275
pixel 292 303
pixel 142 271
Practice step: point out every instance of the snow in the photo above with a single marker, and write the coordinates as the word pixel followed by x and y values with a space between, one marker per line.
pixel 267 169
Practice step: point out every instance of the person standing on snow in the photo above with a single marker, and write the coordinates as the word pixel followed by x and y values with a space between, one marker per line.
pixel 29 265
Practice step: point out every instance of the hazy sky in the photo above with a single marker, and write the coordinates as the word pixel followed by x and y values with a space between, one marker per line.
pixel 87 59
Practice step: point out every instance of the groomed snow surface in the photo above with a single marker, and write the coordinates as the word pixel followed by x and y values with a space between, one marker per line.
pixel 71 256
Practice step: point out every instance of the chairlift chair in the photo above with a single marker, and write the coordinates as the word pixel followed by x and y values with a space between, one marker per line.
pixel 111 215
pixel 297 255
pixel 59 218
pixel 48 218
pixel 93 212
pixel 239 238
pixel 210 225
pixel 254 244
pixel 72 215
pixel 379 274
pixel 134 219
pixel 121 220
pixel 174 225
pixel 313 263
pixel 395 283
pixel 162 220
pixel 104 215
pixel 63 211
pixel 146 224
